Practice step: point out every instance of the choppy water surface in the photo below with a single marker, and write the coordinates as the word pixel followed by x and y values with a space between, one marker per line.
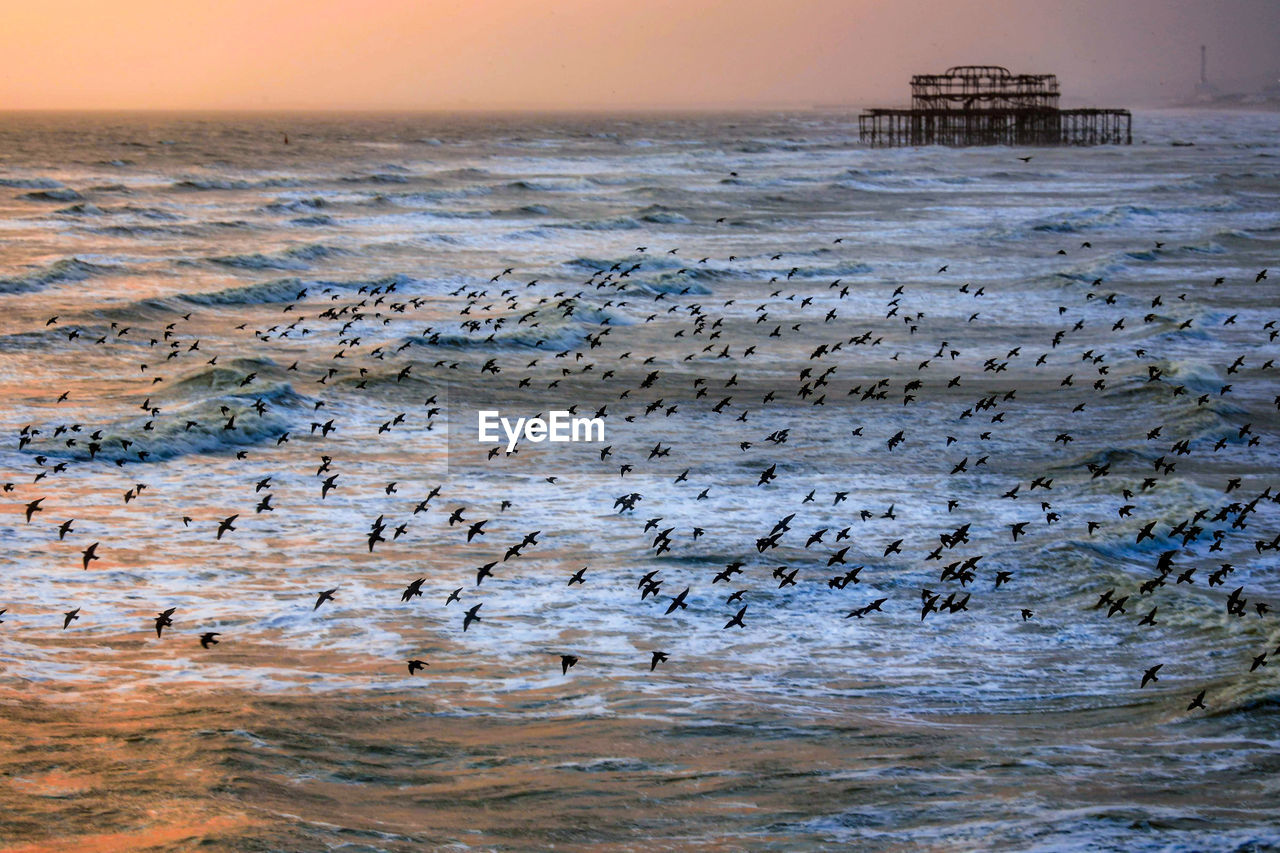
pixel 209 298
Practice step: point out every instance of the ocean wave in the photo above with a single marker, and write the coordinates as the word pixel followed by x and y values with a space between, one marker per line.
pixel 207 184
pixel 59 272
pixel 670 282
pixel 376 178
pixel 315 251
pixel 30 183
pixel 553 332
pixel 147 230
pixel 761 147
pixel 297 205
pixel 1210 248
pixel 156 213
pixel 670 275
pixel 1011 175
pixel 1106 456
pixel 889 181
pixel 1197 378
pixel 63 194
pixel 430 196
pixel 296 258
pixel 610 180
pixel 457 214
pixel 1094 218
pixel 661 215
pixel 561 337
pixel 837 270
pixel 288 290
pixel 211 184
pixel 48 340
pixel 196 427
pixel 616 223
pixel 1234 234
pixel 527 234
pixel 312 221
pixel 604 264
pixel 151 309
pixel 258 261
pixel 264 293
pixel 563 186
pixel 465 173
pixel 89 209
pixel 1245 698
pixel 225 377
pixel 1090 271
pixel 84 208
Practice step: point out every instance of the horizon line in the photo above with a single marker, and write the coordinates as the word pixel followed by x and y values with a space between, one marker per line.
pixel 510 110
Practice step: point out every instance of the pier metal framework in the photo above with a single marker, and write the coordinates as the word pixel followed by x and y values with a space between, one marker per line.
pixel 988 105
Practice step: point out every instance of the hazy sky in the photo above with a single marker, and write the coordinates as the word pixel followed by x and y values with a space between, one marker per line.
pixel 537 54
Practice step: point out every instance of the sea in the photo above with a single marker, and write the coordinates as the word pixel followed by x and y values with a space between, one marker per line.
pixel 985 441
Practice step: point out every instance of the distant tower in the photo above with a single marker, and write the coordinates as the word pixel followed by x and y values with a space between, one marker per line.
pixel 1204 90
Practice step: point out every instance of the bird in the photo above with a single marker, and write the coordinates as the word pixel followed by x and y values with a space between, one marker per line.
pixel 209 638
pixel 1150 675
pixel 678 601
pixel 323 596
pixel 417 665
pixel 33 507
pixel 567 661
pixel 655 659
pixel 860 612
pixel 69 617
pixel 90 554
pixel 472 615
pixel 414 588
pixel 164 619
pixel 225 525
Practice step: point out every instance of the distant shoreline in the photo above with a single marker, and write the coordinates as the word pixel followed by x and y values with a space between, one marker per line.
pixel 1271 105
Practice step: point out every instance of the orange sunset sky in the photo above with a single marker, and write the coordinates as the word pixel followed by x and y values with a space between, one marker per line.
pixel 593 54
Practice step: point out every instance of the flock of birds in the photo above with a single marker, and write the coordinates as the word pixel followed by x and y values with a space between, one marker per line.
pixel 787 310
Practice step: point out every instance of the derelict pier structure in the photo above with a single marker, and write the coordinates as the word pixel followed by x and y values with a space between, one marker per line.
pixel 989 105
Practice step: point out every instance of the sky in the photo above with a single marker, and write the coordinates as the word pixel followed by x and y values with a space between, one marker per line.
pixel 609 54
